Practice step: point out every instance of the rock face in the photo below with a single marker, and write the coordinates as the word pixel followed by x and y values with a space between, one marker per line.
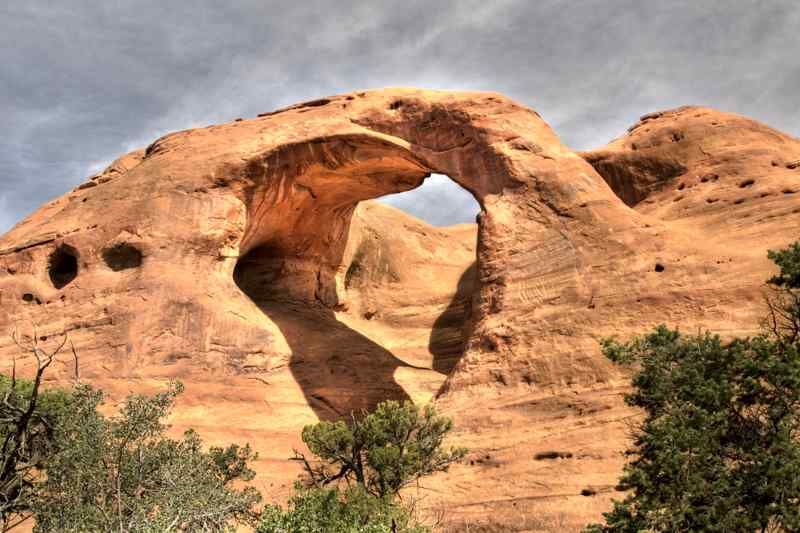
pixel 246 260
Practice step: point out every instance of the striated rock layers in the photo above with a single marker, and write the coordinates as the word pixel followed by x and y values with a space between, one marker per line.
pixel 245 260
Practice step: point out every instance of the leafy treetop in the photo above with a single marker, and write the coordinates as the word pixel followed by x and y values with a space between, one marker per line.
pixel 123 474
pixel 384 451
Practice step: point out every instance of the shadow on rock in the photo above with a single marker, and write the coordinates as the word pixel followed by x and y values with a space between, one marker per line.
pixel 338 369
pixel 451 329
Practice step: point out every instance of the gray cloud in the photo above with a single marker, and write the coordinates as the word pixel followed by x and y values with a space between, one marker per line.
pixel 84 81
pixel 439 201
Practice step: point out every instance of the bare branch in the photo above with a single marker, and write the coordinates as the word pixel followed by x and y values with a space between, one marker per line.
pixel 75 359
pixel 20 454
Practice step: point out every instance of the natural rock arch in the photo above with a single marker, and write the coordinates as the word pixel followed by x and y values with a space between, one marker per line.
pixel 553 236
pixel 562 261
pixel 293 264
pixel 288 182
pixel 300 196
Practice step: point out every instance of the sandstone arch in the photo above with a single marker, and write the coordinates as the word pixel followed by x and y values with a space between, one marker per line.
pixel 561 261
pixel 290 180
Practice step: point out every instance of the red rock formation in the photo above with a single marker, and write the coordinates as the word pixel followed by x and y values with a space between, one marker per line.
pixel 239 259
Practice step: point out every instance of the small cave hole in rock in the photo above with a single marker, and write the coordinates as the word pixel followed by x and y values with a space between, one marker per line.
pixel 31 298
pixel 659 267
pixel 62 266
pixel 552 454
pixel 123 257
pixel 353 272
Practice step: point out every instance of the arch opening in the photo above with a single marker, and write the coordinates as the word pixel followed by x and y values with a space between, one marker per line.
pixel 439 201
pixel 338 274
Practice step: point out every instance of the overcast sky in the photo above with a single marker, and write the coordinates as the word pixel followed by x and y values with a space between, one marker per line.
pixel 85 81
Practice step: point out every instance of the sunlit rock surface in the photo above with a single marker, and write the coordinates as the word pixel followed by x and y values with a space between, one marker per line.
pixel 246 260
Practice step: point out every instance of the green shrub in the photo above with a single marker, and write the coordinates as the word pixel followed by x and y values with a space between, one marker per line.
pixel 382 452
pixel 354 480
pixel 29 416
pixel 122 473
pixel 319 510
pixel 718 448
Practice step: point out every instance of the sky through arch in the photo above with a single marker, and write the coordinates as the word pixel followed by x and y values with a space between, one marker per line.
pixel 439 201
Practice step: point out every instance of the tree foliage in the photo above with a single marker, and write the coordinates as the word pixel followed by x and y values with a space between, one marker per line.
pixel 383 451
pixel 122 473
pixel 359 469
pixel 718 448
pixel 788 261
pixel 321 510
pixel 783 303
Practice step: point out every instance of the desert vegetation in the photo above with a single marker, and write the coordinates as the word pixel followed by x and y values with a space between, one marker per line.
pixel 716 450
pixel 70 468
pixel 358 468
pixel 718 447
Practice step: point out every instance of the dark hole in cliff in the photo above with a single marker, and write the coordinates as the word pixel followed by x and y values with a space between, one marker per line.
pixel 63 266
pixel 122 257
pixel 552 454
pixel 659 267
pixel 352 273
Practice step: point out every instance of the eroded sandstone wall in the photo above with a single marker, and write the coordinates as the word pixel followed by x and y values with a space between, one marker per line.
pixel 284 186
pixel 246 260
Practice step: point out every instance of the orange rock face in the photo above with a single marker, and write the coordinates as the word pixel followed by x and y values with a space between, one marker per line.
pixel 246 260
